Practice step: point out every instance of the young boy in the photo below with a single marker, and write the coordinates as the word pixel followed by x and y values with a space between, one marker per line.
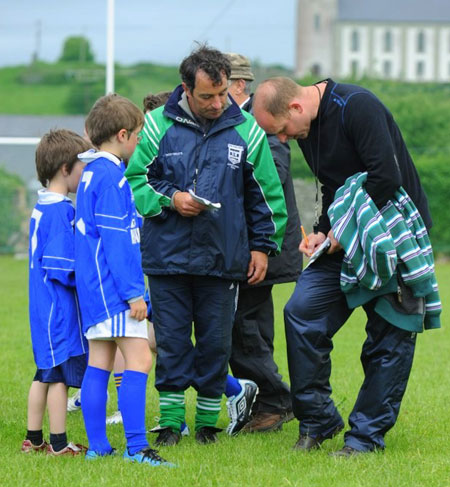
pixel 58 344
pixel 110 280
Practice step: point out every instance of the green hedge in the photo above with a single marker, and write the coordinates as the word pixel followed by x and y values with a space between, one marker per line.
pixel 12 211
pixel 434 173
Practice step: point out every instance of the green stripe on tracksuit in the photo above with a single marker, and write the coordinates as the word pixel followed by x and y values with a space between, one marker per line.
pixel 207 412
pixel 172 410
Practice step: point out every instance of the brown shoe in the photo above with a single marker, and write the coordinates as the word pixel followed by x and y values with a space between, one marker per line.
pixel 307 443
pixel 264 422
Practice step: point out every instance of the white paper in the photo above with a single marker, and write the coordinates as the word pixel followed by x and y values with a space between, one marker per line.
pixel 324 246
pixel 204 201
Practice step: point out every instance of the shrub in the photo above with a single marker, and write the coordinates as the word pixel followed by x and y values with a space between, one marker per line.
pixel 12 211
pixel 434 173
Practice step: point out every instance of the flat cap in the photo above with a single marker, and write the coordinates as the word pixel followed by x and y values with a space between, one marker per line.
pixel 240 67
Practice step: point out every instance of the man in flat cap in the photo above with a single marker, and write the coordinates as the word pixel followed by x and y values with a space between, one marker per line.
pixel 253 331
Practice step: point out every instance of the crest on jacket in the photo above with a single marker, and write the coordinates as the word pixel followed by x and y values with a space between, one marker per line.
pixel 234 155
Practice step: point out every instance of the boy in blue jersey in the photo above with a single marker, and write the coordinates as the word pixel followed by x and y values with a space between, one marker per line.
pixel 110 280
pixel 58 344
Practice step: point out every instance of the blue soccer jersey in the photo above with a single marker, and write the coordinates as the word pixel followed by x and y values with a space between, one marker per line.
pixel 55 320
pixel 107 253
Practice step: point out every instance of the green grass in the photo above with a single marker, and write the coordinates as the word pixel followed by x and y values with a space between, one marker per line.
pixel 417 447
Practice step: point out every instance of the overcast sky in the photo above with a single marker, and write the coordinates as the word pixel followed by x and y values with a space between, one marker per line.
pixel 161 31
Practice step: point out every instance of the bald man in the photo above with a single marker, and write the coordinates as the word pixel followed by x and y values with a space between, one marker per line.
pixel 342 130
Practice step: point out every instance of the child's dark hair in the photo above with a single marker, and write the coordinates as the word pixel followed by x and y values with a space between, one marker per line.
pixel 109 115
pixel 152 101
pixel 56 149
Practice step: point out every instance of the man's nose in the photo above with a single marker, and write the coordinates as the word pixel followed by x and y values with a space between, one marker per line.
pixel 217 103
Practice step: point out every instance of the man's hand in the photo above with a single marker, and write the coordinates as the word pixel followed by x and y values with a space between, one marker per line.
pixel 138 310
pixel 186 205
pixel 308 245
pixel 335 245
pixel 257 267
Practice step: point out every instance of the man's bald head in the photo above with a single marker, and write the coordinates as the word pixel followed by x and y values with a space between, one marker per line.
pixel 275 94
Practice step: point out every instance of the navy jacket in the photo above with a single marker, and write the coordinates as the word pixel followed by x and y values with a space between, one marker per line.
pixel 230 163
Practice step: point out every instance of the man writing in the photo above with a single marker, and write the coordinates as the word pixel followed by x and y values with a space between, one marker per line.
pixel 342 130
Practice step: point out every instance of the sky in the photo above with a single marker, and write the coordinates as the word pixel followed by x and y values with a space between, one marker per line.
pixel 159 31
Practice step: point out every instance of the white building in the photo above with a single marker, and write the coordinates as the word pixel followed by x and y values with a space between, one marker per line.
pixel 405 40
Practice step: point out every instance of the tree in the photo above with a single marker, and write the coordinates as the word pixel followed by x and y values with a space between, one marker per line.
pixel 77 48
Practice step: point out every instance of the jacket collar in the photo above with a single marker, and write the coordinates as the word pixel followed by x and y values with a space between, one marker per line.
pixel 46 197
pixel 177 109
pixel 91 155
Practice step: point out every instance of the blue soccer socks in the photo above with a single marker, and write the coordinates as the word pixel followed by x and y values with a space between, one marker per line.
pixel 132 406
pixel 93 406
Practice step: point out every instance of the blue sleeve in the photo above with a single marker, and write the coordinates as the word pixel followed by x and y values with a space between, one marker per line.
pixel 117 223
pixel 58 259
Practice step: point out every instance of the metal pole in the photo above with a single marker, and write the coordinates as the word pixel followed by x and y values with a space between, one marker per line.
pixel 110 47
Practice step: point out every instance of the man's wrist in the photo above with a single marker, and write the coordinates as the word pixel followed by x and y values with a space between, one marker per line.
pixel 172 200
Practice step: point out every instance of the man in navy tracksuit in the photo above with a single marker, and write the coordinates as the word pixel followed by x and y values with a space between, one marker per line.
pixel 201 145
pixel 341 130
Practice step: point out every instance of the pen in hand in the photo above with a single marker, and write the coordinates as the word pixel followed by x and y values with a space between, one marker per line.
pixel 305 238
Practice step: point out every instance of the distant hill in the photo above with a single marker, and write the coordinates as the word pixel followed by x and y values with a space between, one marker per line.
pixel 71 88
pixel 421 109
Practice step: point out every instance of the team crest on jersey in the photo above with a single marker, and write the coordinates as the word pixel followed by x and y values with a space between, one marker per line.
pixel 234 155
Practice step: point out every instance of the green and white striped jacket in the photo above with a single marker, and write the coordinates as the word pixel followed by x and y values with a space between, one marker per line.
pixel 378 244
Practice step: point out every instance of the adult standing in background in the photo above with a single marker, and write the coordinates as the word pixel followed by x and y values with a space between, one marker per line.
pixel 342 130
pixel 204 179
pixel 253 331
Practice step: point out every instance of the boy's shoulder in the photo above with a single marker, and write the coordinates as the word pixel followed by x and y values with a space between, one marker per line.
pixel 103 170
pixel 54 204
pixel 53 218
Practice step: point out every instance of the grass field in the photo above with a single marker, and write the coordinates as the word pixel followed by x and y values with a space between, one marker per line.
pixel 417 452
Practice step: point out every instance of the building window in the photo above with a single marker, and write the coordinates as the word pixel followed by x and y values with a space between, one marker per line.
pixel 355 69
pixel 354 43
pixel 420 69
pixel 421 42
pixel 317 22
pixel 388 41
pixel 387 69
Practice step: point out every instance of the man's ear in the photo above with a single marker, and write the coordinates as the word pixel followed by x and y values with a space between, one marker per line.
pixel 295 105
pixel 241 84
pixel 186 89
pixel 64 170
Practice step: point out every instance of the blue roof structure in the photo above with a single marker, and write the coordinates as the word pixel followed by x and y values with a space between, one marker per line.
pixel 394 10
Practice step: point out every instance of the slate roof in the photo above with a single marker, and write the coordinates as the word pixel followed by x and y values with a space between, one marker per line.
pixel 38 125
pixel 394 10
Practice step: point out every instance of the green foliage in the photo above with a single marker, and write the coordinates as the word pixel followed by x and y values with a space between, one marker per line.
pixel 77 48
pixel 12 210
pixel 434 173
pixel 416 448
pixel 82 95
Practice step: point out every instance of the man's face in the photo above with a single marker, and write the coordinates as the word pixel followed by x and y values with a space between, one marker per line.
pixel 207 99
pixel 294 125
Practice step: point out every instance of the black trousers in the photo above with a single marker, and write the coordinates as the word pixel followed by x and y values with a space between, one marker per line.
pixel 313 315
pixel 252 349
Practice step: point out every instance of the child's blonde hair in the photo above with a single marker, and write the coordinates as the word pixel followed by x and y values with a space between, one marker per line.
pixel 56 149
pixel 109 115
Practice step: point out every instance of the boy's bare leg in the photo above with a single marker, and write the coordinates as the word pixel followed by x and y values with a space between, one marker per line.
pixel 37 401
pixel 57 407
